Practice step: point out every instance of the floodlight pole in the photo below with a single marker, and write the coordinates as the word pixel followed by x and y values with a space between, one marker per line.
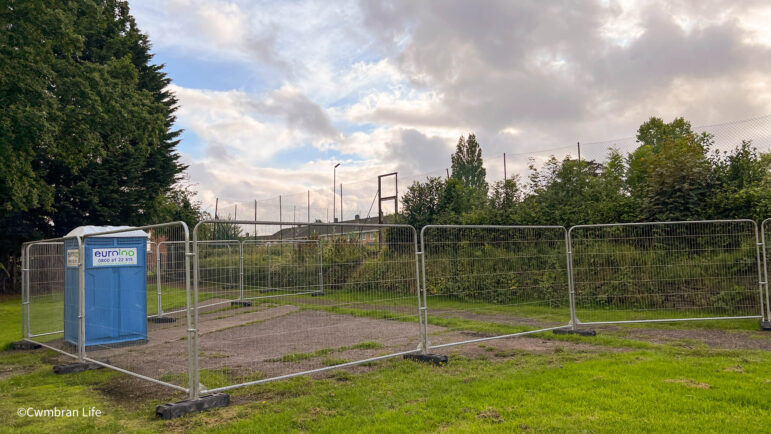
pixel 334 192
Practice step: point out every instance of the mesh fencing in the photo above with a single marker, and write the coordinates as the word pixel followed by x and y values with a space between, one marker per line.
pixel 218 272
pixel 666 271
pixel 170 284
pixel 494 281
pixel 267 273
pixel 45 314
pixel 309 298
pixel 296 299
pixel 123 328
pixel 152 274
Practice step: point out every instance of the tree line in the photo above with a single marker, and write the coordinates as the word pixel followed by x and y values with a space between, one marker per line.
pixel 674 174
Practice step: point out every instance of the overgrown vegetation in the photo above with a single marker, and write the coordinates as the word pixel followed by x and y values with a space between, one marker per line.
pixel 674 174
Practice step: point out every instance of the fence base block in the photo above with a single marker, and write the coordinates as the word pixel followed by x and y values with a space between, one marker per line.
pixel 765 325
pixel 317 294
pixel 580 332
pixel 71 368
pixel 162 319
pixel 242 303
pixel 436 359
pixel 24 345
pixel 176 409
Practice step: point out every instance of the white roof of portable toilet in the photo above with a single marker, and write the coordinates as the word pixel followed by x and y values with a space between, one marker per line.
pixel 88 230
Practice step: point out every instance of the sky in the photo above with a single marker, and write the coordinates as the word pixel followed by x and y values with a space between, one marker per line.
pixel 273 94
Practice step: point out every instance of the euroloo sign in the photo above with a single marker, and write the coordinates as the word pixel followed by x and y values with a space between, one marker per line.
pixel 114 256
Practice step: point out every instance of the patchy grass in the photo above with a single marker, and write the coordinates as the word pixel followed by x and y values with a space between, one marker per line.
pixel 367 346
pixel 333 362
pixel 298 357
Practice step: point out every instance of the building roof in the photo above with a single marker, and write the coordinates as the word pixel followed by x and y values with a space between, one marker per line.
pixel 89 230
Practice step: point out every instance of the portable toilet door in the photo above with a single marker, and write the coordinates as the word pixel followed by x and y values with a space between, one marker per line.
pixel 115 287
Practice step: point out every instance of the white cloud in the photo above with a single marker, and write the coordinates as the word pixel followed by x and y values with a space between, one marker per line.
pixel 253 127
pixel 392 84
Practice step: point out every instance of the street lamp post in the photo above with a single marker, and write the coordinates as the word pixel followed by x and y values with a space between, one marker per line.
pixel 334 192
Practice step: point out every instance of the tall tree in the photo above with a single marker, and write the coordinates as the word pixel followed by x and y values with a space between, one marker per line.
pixel 87 125
pixel 742 184
pixel 420 204
pixel 669 173
pixel 467 164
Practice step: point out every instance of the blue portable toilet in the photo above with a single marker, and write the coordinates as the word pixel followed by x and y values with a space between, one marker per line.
pixel 115 286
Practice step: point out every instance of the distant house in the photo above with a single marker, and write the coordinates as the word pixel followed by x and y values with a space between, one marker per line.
pixel 365 233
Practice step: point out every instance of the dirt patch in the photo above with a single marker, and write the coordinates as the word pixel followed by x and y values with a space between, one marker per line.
pixel 261 346
pixel 250 343
pixel 132 392
pixel 689 383
pixel 244 343
pixel 13 370
pixel 473 315
pixel 719 339
pixel 490 415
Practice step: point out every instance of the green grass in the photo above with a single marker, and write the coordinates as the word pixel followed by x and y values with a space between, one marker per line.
pixel 173 298
pixel 442 307
pixel 646 387
pixel 641 391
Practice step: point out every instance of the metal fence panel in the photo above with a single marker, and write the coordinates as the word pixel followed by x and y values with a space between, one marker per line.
pixel 309 297
pixel 154 286
pixel 488 282
pixel 120 330
pixel 169 282
pixel 218 272
pixel 266 275
pixel 43 303
pixel 664 271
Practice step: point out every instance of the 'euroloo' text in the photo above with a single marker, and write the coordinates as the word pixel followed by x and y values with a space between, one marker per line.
pixel 104 253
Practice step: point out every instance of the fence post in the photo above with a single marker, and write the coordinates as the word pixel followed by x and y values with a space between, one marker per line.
pixel 571 281
pixel 159 309
pixel 230 266
pixel 422 307
pixel 760 244
pixel 192 313
pixel 241 271
pixel 25 292
pixel 81 300
pixel 267 255
pixel 321 267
